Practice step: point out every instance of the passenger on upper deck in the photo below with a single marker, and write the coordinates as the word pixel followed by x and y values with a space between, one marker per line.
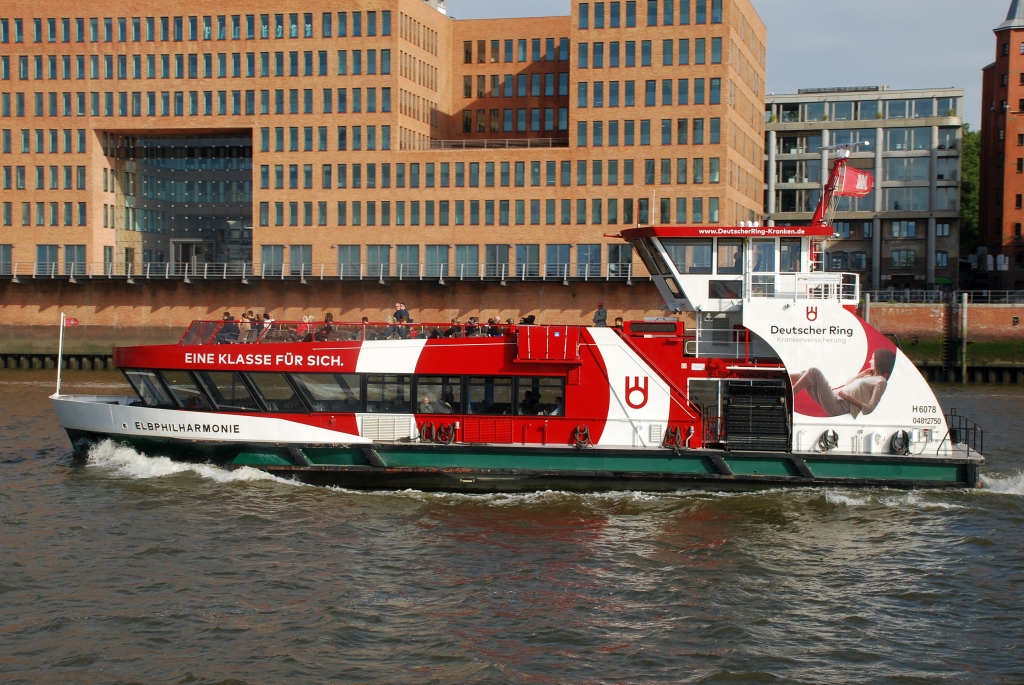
pixel 364 332
pixel 400 310
pixel 244 327
pixel 397 330
pixel 228 331
pixel 304 331
pixel 324 332
pixel 455 331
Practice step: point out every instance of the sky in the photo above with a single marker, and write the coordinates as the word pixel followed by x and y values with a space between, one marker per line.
pixel 821 43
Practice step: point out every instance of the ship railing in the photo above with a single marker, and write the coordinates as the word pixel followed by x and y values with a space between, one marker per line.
pixel 724 343
pixel 244 333
pixel 964 435
pixel 842 287
pixel 714 429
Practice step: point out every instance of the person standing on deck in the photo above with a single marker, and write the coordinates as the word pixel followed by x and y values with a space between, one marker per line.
pixel 401 311
pixel 600 316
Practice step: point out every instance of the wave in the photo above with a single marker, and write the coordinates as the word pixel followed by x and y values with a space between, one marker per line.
pixel 888 498
pixel 125 462
pixel 1005 485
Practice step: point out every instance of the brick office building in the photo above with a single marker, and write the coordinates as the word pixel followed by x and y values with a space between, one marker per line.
pixel 1001 212
pixel 370 138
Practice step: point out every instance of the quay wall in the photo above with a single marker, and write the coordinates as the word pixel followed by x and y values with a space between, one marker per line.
pixel 115 313
pixel 112 312
pixel 985 322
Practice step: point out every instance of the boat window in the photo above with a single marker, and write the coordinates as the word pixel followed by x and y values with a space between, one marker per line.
pixel 651 257
pixel 541 396
pixel 789 255
pixel 490 395
pixel 725 290
pixel 690 255
pixel 764 255
pixel 330 392
pixel 227 390
pixel 439 395
pixel 730 256
pixel 277 394
pixel 184 389
pixel 388 394
pixel 149 389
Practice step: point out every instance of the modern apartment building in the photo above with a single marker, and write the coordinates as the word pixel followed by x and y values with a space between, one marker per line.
pixel 1001 212
pixel 906 233
pixel 370 138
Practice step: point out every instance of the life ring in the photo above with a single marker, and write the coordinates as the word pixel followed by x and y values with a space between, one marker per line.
pixel 828 441
pixel 428 433
pixel 900 443
pixel 581 437
pixel 445 434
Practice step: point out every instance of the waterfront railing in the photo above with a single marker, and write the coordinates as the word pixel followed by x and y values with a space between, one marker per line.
pixel 305 272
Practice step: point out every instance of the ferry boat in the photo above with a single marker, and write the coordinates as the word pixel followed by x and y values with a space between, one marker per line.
pixel 780 383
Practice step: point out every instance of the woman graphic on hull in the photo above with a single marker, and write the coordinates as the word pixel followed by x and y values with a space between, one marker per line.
pixel 859 395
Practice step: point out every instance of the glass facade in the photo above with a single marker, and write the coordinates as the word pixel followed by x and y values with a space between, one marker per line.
pixel 190 196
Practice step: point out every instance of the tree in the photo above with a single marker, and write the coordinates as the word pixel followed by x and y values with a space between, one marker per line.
pixel 970 165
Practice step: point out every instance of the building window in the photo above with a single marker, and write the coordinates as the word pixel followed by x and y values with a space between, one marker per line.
pixel 903 259
pixel 904 229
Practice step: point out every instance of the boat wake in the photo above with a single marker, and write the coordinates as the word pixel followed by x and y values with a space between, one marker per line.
pixel 886 498
pixel 125 462
pixel 1006 485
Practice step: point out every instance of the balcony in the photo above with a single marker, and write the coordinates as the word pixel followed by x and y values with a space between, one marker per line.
pixel 490 144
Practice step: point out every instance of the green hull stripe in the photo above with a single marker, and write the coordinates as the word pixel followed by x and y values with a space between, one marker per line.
pixel 335 457
pixel 262 459
pixel 541 462
pixel 761 467
pixel 879 469
pixel 949 473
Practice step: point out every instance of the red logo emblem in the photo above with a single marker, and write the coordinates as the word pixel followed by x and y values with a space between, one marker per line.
pixel 634 388
pixel 812 313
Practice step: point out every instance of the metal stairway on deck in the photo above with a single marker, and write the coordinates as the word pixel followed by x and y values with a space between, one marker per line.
pixel 756 416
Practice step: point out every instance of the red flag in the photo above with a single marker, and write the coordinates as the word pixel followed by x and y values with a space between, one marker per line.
pixel 855 183
pixel 68 322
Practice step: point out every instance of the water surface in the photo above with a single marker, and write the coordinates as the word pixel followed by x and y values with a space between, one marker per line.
pixel 132 569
